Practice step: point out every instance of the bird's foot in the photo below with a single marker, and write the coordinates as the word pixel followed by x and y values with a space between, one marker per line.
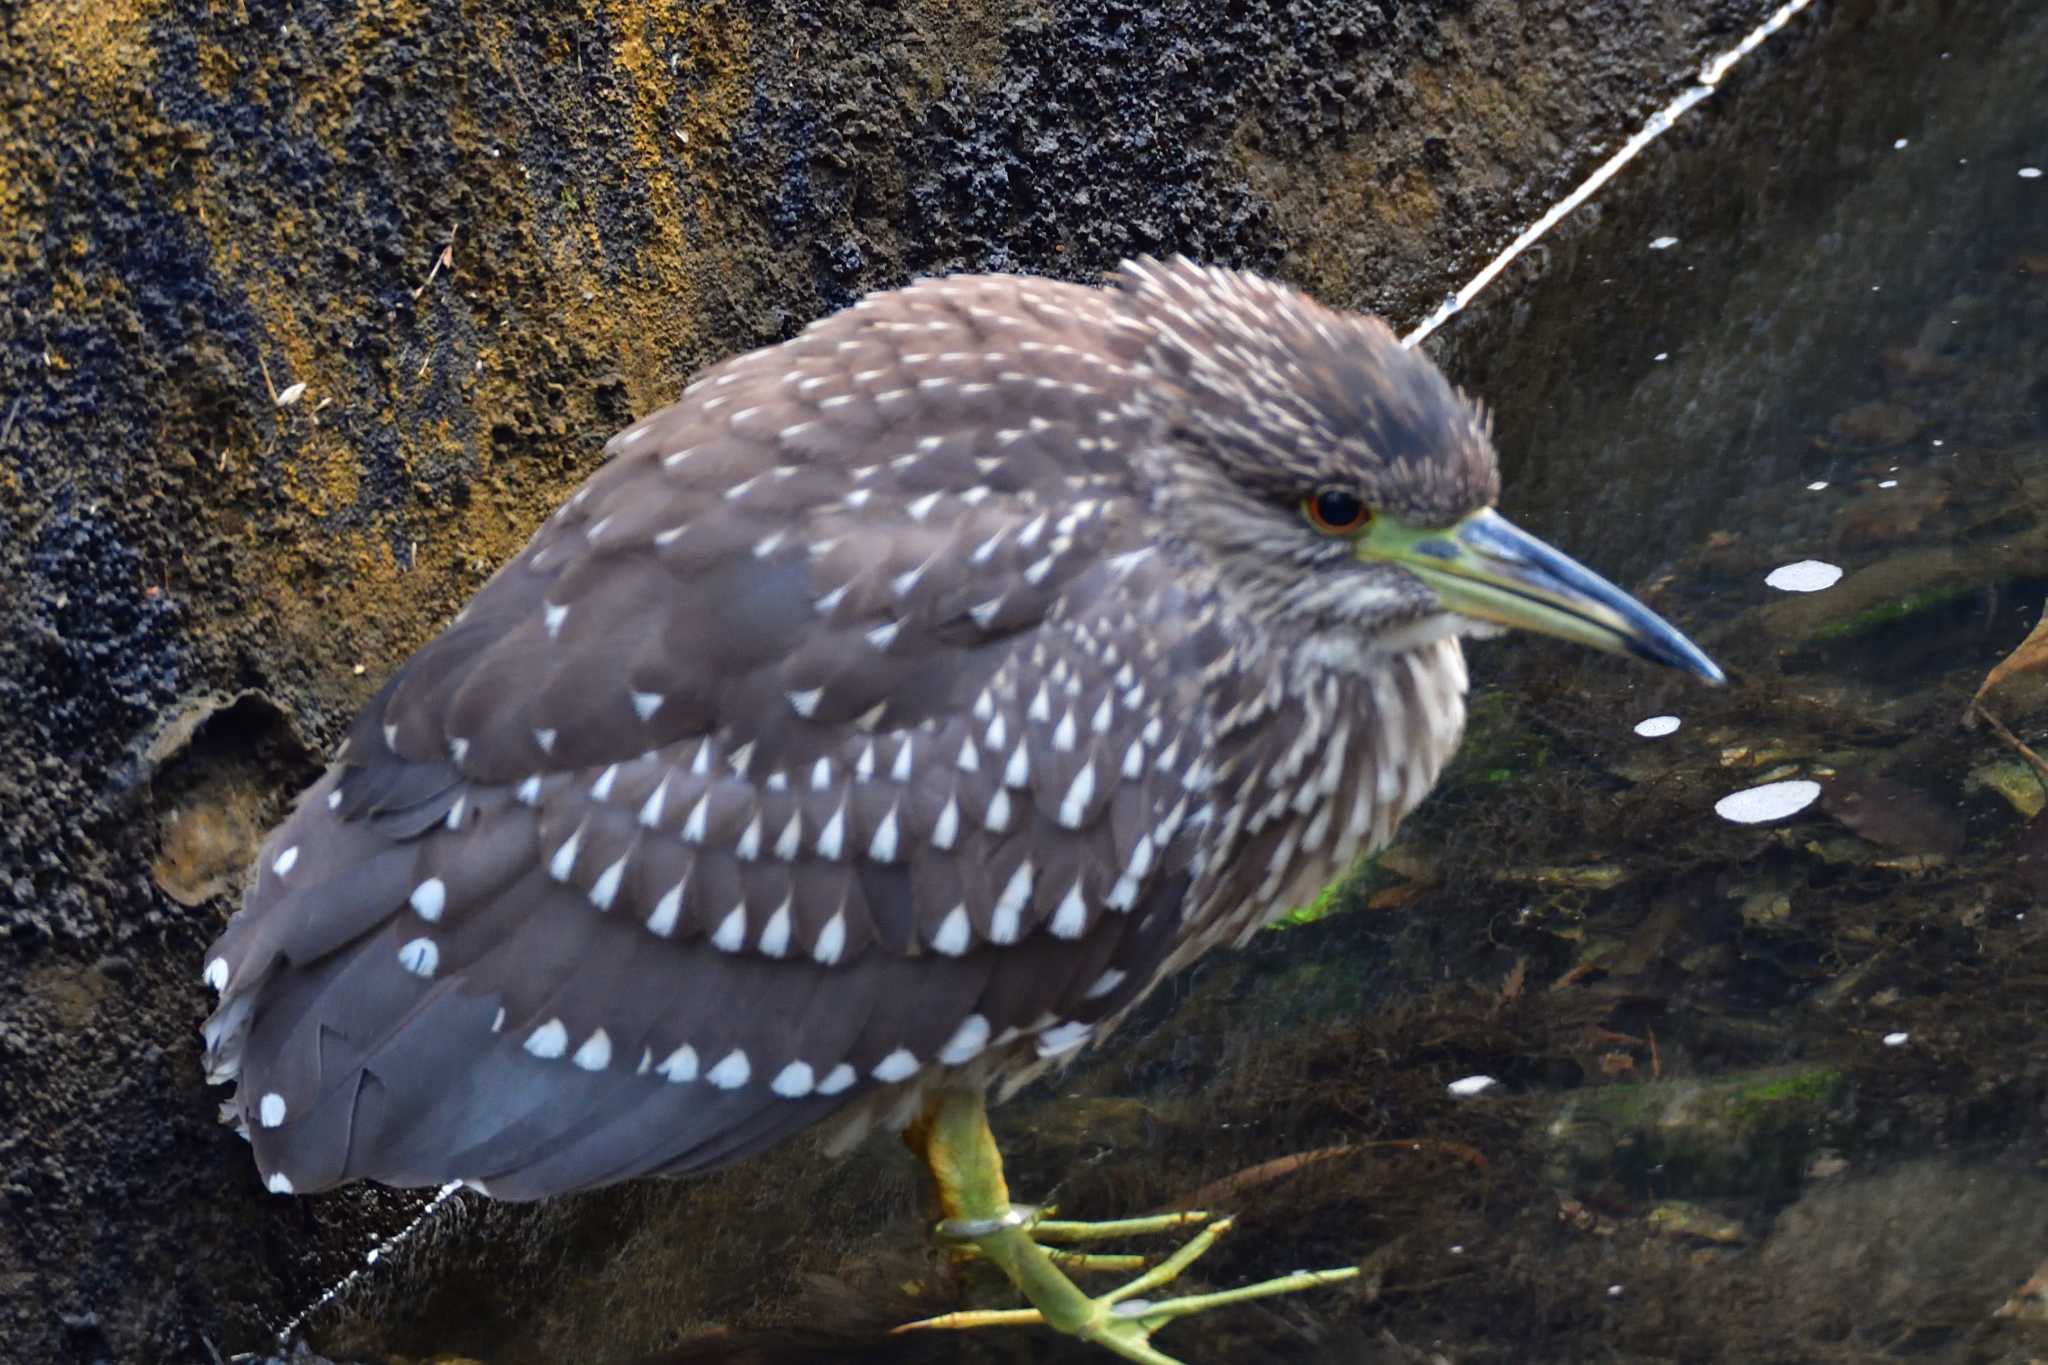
pixel 1035 1253
pixel 1123 1320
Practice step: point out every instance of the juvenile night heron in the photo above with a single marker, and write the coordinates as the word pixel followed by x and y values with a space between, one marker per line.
pixel 880 723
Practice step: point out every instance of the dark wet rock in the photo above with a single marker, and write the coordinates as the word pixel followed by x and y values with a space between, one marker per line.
pixel 1884 517
pixel 1890 813
pixel 2030 856
pixel 1876 424
pixel 1913 363
pixel 1931 1251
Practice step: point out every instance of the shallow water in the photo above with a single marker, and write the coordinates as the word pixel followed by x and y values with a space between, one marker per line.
pixel 1793 386
pixel 1771 1089
pixel 1767 1090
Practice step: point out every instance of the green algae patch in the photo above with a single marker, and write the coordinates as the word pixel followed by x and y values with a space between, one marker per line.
pixel 1698 1138
pixel 1893 612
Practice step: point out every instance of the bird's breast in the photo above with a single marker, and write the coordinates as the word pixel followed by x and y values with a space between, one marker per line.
pixel 1341 756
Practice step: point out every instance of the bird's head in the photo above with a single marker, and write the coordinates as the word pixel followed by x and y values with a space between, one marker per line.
pixel 1340 483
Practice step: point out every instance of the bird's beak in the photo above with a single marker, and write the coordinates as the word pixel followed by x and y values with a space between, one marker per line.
pixel 1488 568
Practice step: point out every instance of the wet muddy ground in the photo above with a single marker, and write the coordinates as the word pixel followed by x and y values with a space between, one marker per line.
pixel 1701 1146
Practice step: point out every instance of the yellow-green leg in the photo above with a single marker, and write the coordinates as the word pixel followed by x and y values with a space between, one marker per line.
pixel 954 1138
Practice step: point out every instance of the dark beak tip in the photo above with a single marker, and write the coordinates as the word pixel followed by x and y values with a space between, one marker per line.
pixel 1703 668
pixel 1683 655
pixel 1700 666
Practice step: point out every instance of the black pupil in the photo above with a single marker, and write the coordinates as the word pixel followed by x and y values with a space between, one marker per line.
pixel 1335 507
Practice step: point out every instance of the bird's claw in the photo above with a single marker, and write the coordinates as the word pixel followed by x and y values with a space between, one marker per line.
pixel 1121 1321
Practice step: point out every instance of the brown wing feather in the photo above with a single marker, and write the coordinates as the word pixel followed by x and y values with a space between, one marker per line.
pixel 809 745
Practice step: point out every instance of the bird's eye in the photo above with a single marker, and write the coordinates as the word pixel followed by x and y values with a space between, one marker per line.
pixel 1335 511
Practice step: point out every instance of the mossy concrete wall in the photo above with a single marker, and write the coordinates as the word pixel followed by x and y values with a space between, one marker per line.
pixel 468 241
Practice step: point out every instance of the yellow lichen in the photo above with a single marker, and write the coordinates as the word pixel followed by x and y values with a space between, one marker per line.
pixel 348 573
pixel 216 70
pixel 689 77
pixel 96 48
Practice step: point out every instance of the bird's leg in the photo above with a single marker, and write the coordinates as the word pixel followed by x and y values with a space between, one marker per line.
pixel 954 1139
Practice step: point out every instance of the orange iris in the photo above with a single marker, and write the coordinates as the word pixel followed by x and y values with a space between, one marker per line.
pixel 1335 511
